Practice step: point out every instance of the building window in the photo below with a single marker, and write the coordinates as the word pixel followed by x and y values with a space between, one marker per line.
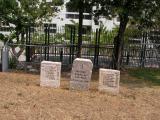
pixel 6 29
pixel 70 16
pixel 87 17
pixel 52 28
pixel 76 16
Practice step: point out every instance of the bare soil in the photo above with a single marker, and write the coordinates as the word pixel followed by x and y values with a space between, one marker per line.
pixel 21 98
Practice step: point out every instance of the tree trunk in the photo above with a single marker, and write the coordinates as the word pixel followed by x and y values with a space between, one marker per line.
pixel 80 28
pixel 118 42
pixel 15 53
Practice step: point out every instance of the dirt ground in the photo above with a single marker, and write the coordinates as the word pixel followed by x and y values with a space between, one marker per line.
pixel 21 98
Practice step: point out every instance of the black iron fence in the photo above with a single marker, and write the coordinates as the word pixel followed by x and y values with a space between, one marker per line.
pixel 46 43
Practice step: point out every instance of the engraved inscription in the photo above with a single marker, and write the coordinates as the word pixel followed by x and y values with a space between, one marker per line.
pixel 50 74
pixel 109 79
pixel 81 74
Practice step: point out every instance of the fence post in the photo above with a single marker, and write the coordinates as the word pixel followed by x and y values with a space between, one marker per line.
pixel 71 43
pixel 95 50
pixel 48 42
pixel 45 47
pixel 99 35
pixel 143 50
pixel 28 36
pixel 5 57
pixel 61 55
pixel 128 57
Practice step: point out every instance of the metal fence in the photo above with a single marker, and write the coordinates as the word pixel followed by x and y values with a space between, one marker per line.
pixel 0 58
pixel 46 43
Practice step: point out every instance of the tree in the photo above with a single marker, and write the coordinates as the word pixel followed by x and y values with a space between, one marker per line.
pixel 24 13
pixel 144 12
pixel 81 6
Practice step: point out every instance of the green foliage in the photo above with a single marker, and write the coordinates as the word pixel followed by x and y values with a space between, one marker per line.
pixel 54 38
pixel 1 37
pixel 131 32
pixel 85 37
pixel 9 38
pixel 24 13
pixel 58 2
pixel 135 33
pixel 152 76
pixel 107 36
pixel 38 38
pixel 58 38
pixel 143 12
pixel 74 5
pixel 12 62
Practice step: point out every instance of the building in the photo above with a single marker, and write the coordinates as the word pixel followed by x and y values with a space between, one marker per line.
pixel 65 18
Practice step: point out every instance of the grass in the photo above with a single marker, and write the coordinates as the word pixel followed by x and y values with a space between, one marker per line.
pixel 151 76
pixel 22 98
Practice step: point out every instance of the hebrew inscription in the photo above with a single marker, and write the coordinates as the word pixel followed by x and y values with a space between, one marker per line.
pixel 109 80
pixel 50 74
pixel 81 74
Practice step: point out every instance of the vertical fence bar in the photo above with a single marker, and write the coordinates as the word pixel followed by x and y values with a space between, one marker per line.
pixel 27 60
pixel 71 43
pixel 95 47
pixel 45 48
pixel 61 55
pixel 99 34
pixel 28 41
pixel 29 51
pixel 48 42
pixel 143 50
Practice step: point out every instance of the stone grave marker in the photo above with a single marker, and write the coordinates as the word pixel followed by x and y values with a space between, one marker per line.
pixel 81 74
pixel 50 74
pixel 109 80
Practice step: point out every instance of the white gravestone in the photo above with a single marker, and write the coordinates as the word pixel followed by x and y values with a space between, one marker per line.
pixel 109 80
pixel 50 74
pixel 81 74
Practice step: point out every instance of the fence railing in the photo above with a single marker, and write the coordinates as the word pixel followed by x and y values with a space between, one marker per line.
pixel 46 43
pixel 101 55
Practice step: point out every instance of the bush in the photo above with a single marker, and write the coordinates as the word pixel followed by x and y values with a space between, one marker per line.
pixel 12 62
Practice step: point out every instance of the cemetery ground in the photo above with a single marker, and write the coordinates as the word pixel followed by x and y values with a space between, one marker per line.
pixel 22 98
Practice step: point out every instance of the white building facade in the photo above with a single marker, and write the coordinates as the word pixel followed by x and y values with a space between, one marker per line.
pixel 64 18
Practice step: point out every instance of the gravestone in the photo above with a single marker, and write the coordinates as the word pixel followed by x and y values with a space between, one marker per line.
pixel 50 74
pixel 81 74
pixel 109 80
pixel 5 58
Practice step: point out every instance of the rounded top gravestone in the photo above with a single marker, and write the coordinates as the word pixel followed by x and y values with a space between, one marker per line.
pixel 81 74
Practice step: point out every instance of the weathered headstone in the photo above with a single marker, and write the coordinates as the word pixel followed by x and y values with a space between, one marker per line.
pixel 81 74
pixel 5 57
pixel 109 80
pixel 50 74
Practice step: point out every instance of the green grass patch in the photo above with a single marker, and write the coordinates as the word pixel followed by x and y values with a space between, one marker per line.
pixel 151 76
